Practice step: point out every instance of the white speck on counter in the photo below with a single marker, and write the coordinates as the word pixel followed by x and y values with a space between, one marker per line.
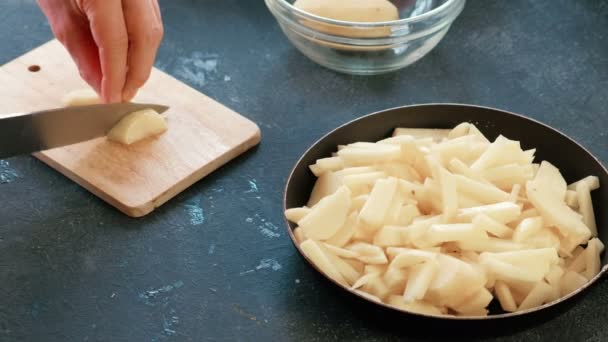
pixel 7 173
pixel 264 264
pixel 227 78
pixel 198 69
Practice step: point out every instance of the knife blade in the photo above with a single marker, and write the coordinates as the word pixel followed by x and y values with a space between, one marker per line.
pixel 43 130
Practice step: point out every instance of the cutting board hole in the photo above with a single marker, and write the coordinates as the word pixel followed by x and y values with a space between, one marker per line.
pixel 34 68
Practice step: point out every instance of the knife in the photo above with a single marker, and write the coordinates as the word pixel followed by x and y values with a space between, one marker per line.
pixel 43 130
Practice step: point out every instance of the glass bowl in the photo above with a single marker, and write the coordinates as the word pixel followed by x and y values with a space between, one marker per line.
pixel 368 48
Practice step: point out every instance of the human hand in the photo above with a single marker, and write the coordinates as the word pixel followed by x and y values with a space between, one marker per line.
pixel 113 42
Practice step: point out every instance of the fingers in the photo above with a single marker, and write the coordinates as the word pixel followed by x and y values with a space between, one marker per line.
pixel 108 28
pixel 145 30
pixel 72 29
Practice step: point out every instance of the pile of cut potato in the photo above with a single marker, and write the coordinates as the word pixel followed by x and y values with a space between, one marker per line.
pixel 441 222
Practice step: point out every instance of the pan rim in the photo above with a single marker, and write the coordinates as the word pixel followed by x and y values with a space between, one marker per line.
pixel 590 283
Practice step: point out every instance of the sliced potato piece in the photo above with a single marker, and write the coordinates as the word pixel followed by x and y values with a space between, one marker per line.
pixel 406 257
pixel 572 199
pixel 490 245
pixel 395 279
pixel 324 165
pixel 435 133
pixel 526 228
pixel 503 212
pixel 325 185
pixel 585 205
pixel 460 130
pixel 505 297
pixel 592 181
pixel 440 233
pixel 369 156
pixel 348 272
pixel 389 236
pixel 492 226
pixel 419 279
pixel 313 251
pixel 454 282
pixel 374 210
pixel 296 214
pixel 327 216
pixel 482 192
pixel 502 151
pixel 592 258
pixel 138 126
pixel 419 307
pixel 361 183
pixel 557 213
pixel 344 234
pixel 539 295
pixel 449 196
pixel 368 253
pixel 475 305
pixel 299 235
pixel 570 282
pixel 81 97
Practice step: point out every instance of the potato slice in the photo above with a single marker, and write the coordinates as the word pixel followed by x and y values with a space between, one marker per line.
pixel 296 214
pixel 572 199
pixel 440 233
pixel 407 214
pixel 506 176
pixel 475 305
pixel 490 245
pixel 492 226
pixel 550 179
pixel 325 185
pixel 592 259
pixel 585 205
pixel 482 192
pixel 456 166
pixel 434 133
pixel 420 277
pixel 503 212
pixel 406 257
pixel 348 272
pixel 419 307
pixel 81 97
pixel 389 236
pixel 540 294
pixel 368 253
pixel 526 228
pixel 570 282
pixel 592 181
pixel 313 251
pixel 362 183
pixel 454 282
pixel 460 130
pixel 449 196
pixel 555 274
pixel 327 216
pixel 545 238
pixel 503 293
pixel 299 235
pixel 324 165
pixel 344 234
pixel 138 126
pixel 340 252
pixel 368 156
pixel 376 287
pixel 376 207
pixel 395 279
pixel 557 213
pixel 502 151
pixel 508 272
pixel 375 269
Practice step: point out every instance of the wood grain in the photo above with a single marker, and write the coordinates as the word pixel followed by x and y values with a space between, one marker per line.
pixel 203 134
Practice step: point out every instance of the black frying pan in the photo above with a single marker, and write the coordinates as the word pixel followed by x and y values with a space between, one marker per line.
pixel 574 161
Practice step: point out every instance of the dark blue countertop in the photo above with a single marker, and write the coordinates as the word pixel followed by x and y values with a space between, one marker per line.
pixel 215 263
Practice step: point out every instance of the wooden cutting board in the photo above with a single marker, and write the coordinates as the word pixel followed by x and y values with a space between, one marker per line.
pixel 203 134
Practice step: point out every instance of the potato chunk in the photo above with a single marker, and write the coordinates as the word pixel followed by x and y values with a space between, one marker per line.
pixel 138 126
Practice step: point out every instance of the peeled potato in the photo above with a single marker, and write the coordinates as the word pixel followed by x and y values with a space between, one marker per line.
pixel 81 97
pixel 138 126
pixel 350 10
